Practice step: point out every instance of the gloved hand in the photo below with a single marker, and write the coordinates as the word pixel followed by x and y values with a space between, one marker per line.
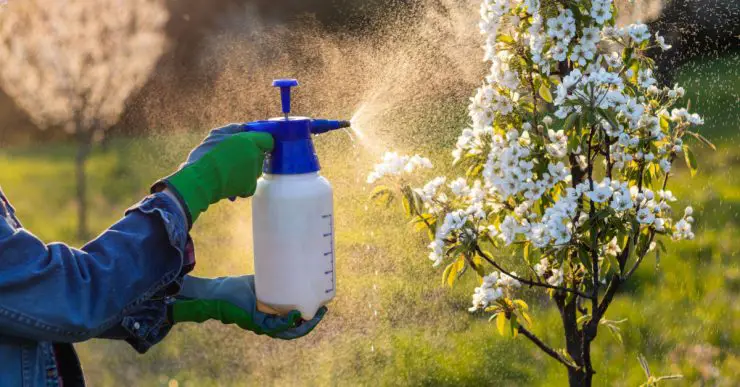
pixel 232 300
pixel 226 164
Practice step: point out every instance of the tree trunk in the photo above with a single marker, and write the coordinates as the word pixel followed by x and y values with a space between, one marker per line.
pixel 579 351
pixel 578 378
pixel 84 145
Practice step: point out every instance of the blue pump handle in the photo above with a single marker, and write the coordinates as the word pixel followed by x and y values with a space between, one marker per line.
pixel 285 85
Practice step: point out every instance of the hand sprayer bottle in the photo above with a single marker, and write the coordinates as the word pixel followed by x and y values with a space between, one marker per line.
pixel 293 216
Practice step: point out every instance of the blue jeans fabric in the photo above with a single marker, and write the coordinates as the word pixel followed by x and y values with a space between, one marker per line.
pixel 116 287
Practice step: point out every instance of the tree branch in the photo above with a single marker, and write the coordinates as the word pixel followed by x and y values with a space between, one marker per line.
pixel 611 290
pixel 594 232
pixel 526 281
pixel 639 259
pixel 544 347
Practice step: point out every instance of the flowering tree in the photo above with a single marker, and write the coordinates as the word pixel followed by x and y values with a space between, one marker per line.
pixel 73 64
pixel 566 168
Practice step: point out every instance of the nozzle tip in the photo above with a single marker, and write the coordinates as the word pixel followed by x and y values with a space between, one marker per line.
pixel 344 124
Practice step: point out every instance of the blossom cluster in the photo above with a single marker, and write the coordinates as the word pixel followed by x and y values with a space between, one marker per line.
pixel 394 165
pixel 493 287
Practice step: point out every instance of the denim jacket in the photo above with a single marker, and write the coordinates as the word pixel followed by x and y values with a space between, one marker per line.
pixel 116 287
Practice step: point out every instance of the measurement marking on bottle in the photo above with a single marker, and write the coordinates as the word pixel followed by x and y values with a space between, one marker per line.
pixel 330 253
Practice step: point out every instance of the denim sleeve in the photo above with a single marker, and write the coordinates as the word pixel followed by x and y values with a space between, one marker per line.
pixel 57 293
pixel 144 327
pixel 149 323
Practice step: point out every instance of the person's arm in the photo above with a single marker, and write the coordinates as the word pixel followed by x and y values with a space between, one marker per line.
pixel 150 322
pixel 57 293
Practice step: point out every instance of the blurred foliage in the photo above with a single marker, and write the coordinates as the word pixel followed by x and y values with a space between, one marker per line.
pixel 392 322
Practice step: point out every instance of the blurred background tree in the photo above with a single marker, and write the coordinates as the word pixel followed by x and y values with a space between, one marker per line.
pixel 72 65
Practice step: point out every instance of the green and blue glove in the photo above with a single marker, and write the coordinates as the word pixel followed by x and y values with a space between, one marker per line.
pixel 226 164
pixel 232 300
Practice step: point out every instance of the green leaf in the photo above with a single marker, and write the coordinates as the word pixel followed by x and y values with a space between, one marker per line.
pixel 614 263
pixel 635 67
pixel 702 139
pixel 631 246
pixel 526 105
pixel 418 202
pixel 501 324
pixel 661 245
pixel 644 364
pixel 570 121
pixel 614 329
pixel 424 222
pixel 566 356
pixel 521 305
pixel 527 319
pixel 627 54
pixel 690 160
pixel 453 271
pixel 446 273
pixel 610 117
pixel 408 201
pixel 664 124
pixel 545 93
pixel 407 205
pixel 669 377
pixel 475 170
pixel 382 195
pixel 513 326
pixel 457 269
pixel 503 38
pixel 617 335
pixel 584 256
pixel 583 319
pixel 477 265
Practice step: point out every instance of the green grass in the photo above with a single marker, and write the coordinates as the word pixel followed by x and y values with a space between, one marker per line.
pixel 392 322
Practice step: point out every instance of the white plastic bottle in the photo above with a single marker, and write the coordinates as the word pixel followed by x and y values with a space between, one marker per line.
pixel 293 222
pixel 293 216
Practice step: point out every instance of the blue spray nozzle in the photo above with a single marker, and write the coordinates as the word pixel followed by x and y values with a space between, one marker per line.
pixel 323 126
pixel 285 85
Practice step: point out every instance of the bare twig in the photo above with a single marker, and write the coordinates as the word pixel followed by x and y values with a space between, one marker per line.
pixel 544 347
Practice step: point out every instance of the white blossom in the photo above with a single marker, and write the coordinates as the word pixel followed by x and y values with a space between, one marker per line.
pixel 394 164
pixel 601 11
pixel 556 278
pixel 638 32
pixel 509 282
pixel 645 216
pixel 661 42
